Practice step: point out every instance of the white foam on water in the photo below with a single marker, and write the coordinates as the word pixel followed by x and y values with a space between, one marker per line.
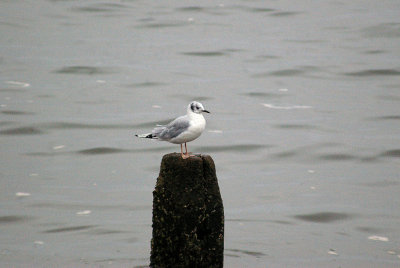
pixel 84 212
pixel 378 238
pixel 215 131
pixel 332 252
pixel 22 194
pixel 19 84
pixel 291 107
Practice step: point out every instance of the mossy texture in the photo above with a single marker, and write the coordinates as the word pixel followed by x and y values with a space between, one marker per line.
pixel 188 214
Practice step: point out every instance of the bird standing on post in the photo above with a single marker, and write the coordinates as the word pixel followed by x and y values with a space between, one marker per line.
pixel 183 129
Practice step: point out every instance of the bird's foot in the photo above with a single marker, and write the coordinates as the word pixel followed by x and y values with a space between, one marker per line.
pixel 187 155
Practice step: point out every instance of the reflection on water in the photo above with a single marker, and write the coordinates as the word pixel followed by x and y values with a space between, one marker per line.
pixel 304 127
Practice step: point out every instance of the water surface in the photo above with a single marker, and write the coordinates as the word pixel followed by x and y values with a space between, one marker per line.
pixel 304 127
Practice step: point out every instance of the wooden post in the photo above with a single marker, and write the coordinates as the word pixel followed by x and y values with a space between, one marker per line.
pixel 188 214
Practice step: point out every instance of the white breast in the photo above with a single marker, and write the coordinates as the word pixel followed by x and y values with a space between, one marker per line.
pixel 197 126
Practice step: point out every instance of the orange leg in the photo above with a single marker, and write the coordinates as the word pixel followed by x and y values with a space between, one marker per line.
pixel 186 155
pixel 183 155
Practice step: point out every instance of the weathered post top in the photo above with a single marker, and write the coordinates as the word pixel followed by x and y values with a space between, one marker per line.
pixel 188 216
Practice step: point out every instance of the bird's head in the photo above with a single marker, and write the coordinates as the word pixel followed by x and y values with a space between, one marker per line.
pixel 196 107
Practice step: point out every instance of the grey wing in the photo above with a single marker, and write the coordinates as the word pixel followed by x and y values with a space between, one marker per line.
pixel 174 128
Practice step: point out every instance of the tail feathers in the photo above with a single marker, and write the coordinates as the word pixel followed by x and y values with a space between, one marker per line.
pixel 147 136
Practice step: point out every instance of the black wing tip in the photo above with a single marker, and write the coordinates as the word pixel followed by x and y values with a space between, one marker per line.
pixel 149 136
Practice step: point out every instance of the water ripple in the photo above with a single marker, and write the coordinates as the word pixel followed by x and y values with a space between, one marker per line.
pixel 85 70
pixel 369 230
pixel 295 126
pixel 21 131
pixel 232 148
pixel 191 9
pixel 387 30
pixel 166 24
pixel 337 157
pixel 105 232
pixel 13 219
pixel 391 153
pixel 387 117
pixel 12 90
pixel 190 97
pixel 14 112
pixel 375 51
pixel 67 125
pixel 374 72
pixel 260 10
pixel 286 72
pixel 101 8
pixel 263 95
pixel 323 217
pixel 285 13
pixel 101 150
pixel 384 183
pixel 205 53
pixel 76 206
pixel 70 229
pixel 146 84
pixel 247 252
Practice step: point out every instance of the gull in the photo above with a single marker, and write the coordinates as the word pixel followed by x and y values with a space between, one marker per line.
pixel 181 130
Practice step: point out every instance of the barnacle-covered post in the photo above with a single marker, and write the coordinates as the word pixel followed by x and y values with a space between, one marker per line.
pixel 188 214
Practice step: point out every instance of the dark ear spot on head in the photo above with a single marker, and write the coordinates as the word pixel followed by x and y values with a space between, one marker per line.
pixel 192 106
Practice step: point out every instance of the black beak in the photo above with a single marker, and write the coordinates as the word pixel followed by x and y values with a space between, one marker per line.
pixel 205 111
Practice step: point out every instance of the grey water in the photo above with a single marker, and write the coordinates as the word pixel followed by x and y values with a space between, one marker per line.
pixel 304 127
